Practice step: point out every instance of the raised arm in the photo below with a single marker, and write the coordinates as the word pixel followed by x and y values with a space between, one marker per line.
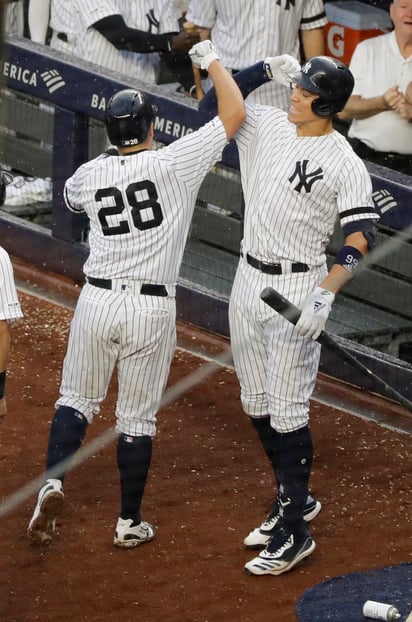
pixel 277 68
pixel 230 104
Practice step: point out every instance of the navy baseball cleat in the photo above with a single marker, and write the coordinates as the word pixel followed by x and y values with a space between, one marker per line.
pixel 282 553
pixel 128 535
pixel 42 526
pixel 260 536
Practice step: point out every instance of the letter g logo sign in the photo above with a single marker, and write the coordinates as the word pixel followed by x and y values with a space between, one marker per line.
pixel 336 41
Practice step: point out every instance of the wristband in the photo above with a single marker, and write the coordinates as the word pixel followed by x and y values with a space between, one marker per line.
pixel 2 383
pixel 348 257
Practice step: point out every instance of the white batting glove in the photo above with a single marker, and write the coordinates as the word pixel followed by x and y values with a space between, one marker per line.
pixel 315 311
pixel 203 53
pixel 280 68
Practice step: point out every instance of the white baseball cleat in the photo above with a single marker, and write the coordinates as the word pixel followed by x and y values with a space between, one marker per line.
pixel 282 553
pixel 50 500
pixel 128 535
pixel 260 536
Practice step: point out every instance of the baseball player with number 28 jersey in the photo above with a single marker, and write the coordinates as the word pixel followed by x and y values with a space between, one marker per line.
pixel 299 176
pixel 140 204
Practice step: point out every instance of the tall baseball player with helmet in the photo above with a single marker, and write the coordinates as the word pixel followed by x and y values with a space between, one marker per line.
pixel 140 204
pixel 299 176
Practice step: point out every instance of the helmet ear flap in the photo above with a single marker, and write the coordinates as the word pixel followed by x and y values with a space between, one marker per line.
pixel 322 110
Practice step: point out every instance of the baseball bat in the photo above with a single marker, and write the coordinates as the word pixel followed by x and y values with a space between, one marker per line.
pixel 290 312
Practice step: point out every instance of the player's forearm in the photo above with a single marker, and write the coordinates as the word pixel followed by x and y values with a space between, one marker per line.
pixel 247 80
pixel 361 108
pixel 122 37
pixel 230 104
pixel 313 42
pixel 355 248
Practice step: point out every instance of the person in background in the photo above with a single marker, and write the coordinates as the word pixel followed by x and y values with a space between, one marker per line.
pixel 13 18
pixel 378 111
pixel 10 309
pixel 244 32
pixel 127 36
pixel 54 19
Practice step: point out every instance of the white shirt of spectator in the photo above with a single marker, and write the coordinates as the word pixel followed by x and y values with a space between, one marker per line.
pixel 377 65
pixel 245 32
pixel 155 16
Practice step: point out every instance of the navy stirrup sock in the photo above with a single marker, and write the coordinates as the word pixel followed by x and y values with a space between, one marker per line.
pixel 66 435
pixel 295 452
pixel 268 437
pixel 134 454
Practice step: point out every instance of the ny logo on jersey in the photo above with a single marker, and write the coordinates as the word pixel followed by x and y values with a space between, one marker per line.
pixel 286 4
pixel 153 22
pixel 306 179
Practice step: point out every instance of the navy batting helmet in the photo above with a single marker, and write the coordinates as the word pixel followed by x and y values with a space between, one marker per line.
pixel 330 79
pixel 128 118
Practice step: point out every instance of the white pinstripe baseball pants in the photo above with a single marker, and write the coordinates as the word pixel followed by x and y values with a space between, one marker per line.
pixel 276 367
pixel 136 334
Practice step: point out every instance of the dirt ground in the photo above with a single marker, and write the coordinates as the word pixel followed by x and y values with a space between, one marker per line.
pixel 209 485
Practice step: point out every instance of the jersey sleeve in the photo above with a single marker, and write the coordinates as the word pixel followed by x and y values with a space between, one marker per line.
pixel 201 13
pixel 314 15
pixel 72 194
pixel 194 154
pixel 78 185
pixel 91 11
pixel 354 196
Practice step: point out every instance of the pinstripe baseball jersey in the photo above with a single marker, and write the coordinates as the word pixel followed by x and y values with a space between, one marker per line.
pixel 245 32
pixel 9 302
pixel 64 24
pixel 140 205
pixel 154 16
pixel 296 187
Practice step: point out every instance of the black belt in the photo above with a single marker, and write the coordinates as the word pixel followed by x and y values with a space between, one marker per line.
pixel 274 268
pixel 147 289
pixel 62 36
pixel 399 161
